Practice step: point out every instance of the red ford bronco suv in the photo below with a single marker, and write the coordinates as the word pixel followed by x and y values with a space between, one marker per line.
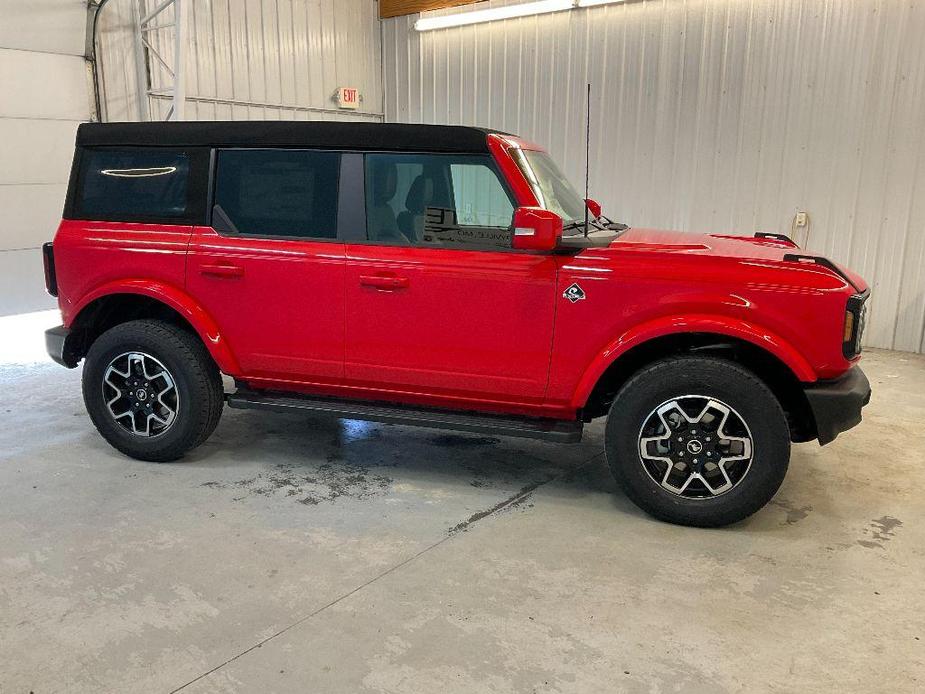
pixel 445 277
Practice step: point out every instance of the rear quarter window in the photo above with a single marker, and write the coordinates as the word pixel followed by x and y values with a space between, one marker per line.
pixel 278 193
pixel 141 184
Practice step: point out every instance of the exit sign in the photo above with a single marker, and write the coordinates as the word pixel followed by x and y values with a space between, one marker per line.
pixel 348 97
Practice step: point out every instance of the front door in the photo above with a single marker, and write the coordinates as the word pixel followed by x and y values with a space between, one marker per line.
pixel 437 302
pixel 270 270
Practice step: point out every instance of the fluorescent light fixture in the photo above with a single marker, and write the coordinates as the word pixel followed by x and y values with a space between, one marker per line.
pixel 592 3
pixel 445 21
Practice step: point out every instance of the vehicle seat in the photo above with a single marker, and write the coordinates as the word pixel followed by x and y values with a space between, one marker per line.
pixel 420 196
pixel 381 222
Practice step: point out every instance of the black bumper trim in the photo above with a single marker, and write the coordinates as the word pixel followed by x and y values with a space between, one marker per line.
pixel 837 404
pixel 59 346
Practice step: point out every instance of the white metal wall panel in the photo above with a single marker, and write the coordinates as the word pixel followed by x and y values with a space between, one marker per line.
pixel 712 115
pixel 35 151
pixel 49 26
pixel 44 97
pixel 249 59
pixel 42 85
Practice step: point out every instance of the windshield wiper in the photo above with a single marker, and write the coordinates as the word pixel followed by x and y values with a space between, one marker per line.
pixel 612 225
pixel 594 225
pixel 580 224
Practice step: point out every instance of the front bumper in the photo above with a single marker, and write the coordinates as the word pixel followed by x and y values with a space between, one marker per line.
pixel 59 345
pixel 836 404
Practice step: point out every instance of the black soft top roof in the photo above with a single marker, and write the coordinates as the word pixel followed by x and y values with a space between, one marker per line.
pixel 322 134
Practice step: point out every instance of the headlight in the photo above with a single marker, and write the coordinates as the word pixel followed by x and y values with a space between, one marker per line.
pixel 855 318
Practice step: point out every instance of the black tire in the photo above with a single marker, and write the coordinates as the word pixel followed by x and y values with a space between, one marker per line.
pixel 712 378
pixel 198 386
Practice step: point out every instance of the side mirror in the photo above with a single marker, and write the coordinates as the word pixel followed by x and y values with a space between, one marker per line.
pixel 536 229
pixel 594 207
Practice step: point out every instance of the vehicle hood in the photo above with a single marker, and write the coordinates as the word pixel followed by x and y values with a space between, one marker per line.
pixel 723 246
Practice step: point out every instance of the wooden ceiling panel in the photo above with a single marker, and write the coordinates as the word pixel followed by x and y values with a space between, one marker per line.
pixel 396 8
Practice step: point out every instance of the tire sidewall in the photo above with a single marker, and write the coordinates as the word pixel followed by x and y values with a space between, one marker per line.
pixel 708 377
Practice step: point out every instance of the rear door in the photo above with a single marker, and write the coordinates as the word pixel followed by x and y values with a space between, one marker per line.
pixel 270 269
pixel 437 301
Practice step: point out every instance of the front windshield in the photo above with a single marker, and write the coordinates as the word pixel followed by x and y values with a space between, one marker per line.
pixel 549 184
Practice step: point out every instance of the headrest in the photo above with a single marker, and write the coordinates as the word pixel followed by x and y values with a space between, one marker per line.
pixel 420 194
pixel 384 182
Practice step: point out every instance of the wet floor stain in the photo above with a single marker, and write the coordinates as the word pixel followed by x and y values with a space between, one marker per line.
pixel 328 482
pixel 516 500
pixel 503 467
pixel 880 531
pixel 794 513
pixel 522 499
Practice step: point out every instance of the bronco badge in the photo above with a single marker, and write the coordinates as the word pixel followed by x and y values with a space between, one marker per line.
pixel 574 293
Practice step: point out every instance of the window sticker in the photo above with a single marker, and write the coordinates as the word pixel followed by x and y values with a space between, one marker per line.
pixel 441 227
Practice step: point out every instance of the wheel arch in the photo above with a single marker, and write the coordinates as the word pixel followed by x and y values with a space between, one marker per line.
pixel 784 377
pixel 109 306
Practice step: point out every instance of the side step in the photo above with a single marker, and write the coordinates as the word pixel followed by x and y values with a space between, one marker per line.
pixel 561 431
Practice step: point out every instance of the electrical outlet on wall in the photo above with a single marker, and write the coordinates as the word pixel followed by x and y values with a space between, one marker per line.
pixel 801 220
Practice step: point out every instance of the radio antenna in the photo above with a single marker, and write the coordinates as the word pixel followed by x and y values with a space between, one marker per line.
pixel 587 159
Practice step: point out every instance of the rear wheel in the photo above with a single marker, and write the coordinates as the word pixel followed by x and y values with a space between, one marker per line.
pixel 152 390
pixel 697 441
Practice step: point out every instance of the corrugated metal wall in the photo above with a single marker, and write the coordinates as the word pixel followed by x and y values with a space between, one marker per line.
pixel 247 59
pixel 712 115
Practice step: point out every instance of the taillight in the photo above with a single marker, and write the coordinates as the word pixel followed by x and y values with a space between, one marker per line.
pixel 51 279
pixel 855 319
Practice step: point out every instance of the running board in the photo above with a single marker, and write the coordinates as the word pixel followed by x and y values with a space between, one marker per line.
pixel 561 431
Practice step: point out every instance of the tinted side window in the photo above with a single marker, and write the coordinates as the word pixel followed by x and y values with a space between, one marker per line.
pixel 437 200
pixel 277 193
pixel 141 184
pixel 481 200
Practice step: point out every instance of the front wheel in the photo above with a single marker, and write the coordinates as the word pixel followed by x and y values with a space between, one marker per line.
pixel 152 390
pixel 697 441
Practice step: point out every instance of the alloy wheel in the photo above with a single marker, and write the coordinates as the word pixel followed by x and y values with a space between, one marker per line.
pixel 696 446
pixel 140 394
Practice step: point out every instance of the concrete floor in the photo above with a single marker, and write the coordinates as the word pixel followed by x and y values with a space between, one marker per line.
pixel 292 553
